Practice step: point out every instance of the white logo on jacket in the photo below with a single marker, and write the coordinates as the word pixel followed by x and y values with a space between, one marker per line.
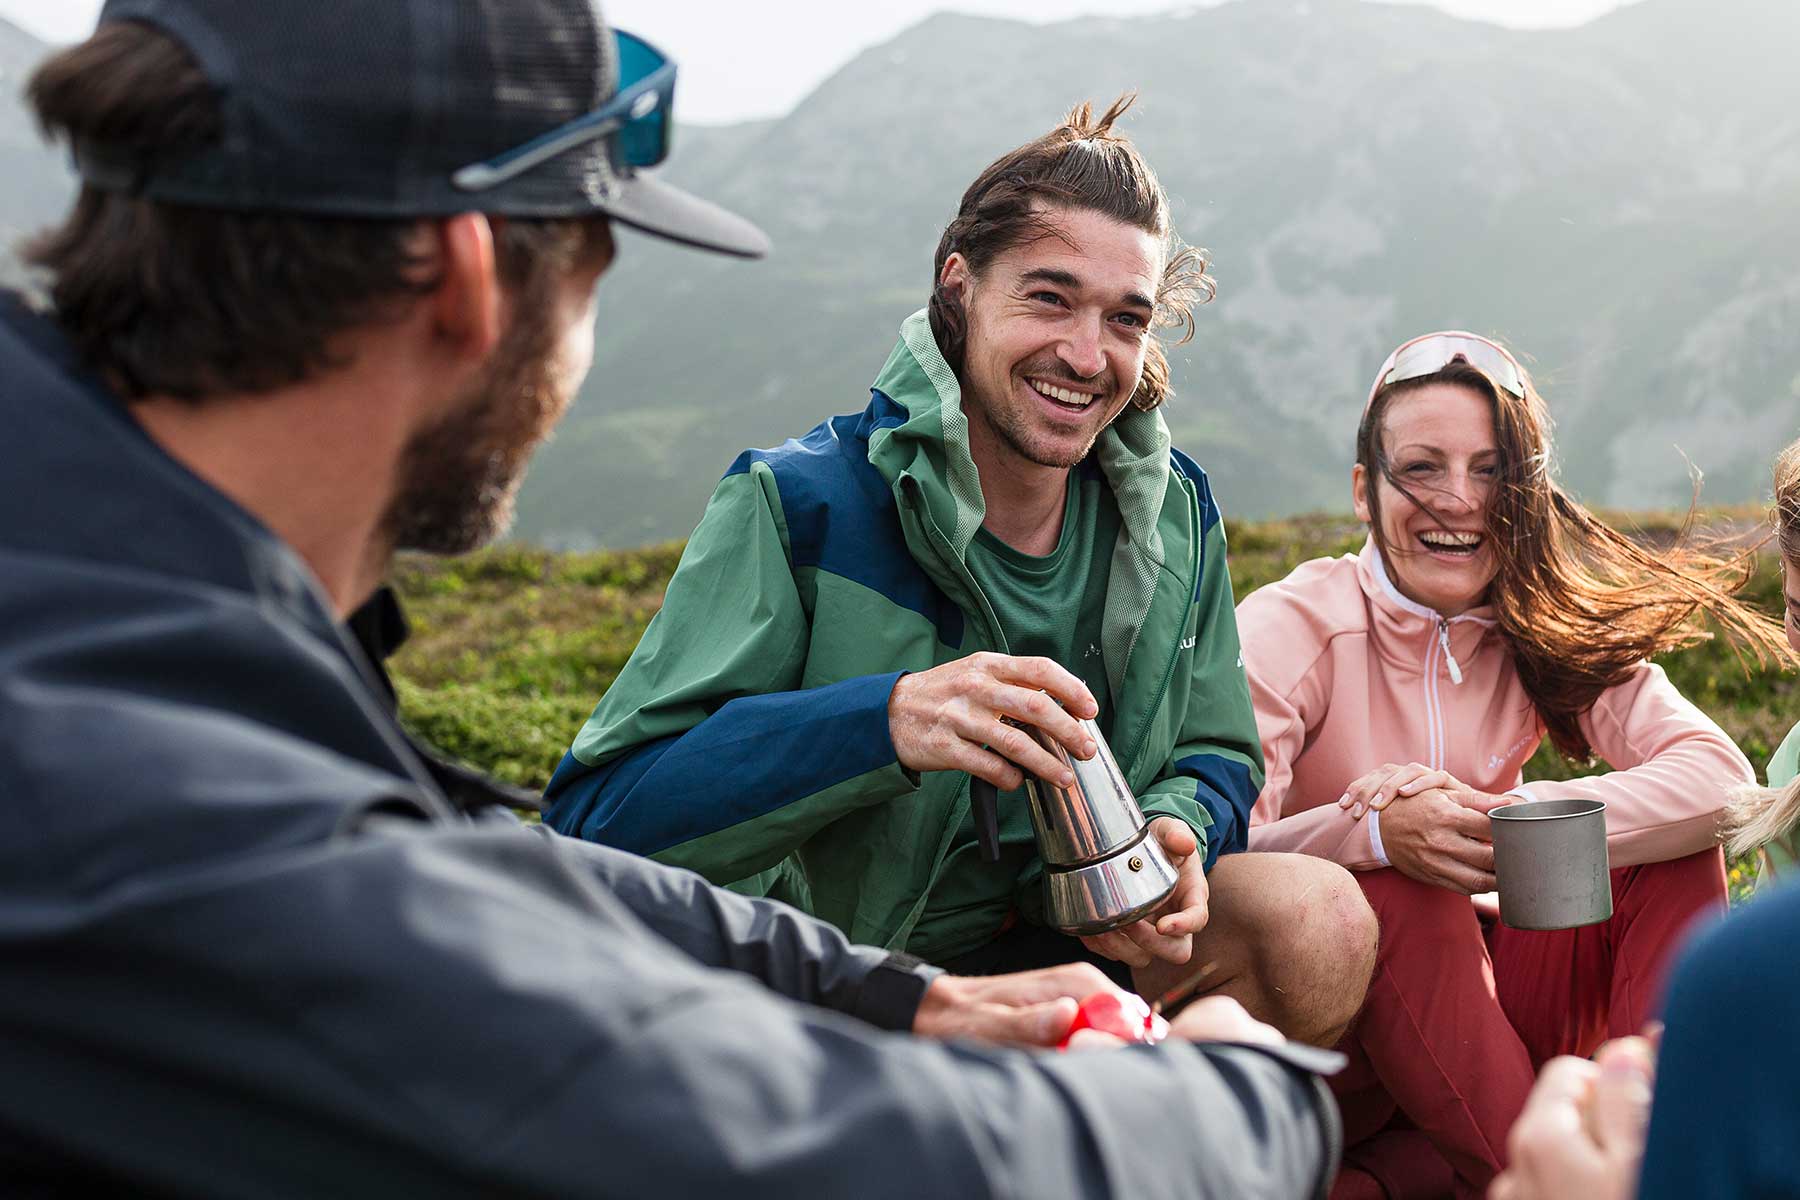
pixel 1496 761
pixel 1187 643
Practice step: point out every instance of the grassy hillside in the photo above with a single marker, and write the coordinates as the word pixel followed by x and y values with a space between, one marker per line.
pixel 512 647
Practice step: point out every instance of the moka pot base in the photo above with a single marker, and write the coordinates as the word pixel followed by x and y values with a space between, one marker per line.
pixel 1126 885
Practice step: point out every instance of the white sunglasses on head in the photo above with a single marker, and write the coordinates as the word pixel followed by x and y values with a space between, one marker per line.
pixel 1432 352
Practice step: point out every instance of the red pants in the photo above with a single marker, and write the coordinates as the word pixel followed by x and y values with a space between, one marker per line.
pixel 1461 1014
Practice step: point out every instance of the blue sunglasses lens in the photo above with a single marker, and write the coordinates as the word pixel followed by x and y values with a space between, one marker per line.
pixel 643 141
pixel 636 122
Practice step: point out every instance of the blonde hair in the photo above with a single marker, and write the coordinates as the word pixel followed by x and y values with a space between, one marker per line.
pixel 1759 816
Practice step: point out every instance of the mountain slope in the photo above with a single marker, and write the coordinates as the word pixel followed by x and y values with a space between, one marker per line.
pixel 1616 200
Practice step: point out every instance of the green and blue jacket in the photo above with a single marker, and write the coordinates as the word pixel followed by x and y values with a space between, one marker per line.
pixel 748 739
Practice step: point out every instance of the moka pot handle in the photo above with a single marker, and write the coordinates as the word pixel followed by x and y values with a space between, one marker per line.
pixel 984 800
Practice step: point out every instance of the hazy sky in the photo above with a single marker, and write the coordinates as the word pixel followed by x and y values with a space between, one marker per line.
pixel 758 60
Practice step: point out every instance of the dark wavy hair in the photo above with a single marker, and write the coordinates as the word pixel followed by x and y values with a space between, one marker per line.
pixel 1082 163
pixel 169 299
pixel 1580 604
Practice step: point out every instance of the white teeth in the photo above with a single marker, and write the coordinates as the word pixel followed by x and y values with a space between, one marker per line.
pixel 1450 539
pixel 1062 394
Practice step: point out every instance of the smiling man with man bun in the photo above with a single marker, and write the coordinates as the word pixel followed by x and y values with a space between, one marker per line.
pixel 1004 535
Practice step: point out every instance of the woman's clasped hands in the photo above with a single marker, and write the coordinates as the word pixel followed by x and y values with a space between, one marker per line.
pixel 1433 827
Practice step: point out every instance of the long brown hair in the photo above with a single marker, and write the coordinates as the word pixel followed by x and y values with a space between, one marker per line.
pixel 1082 164
pixel 1758 816
pixel 1580 604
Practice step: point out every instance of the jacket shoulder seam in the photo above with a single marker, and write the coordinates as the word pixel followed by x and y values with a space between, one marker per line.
pixel 1311 668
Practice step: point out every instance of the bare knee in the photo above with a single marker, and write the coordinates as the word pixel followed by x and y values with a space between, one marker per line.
pixel 1327 946
pixel 1310 938
pixel 1347 924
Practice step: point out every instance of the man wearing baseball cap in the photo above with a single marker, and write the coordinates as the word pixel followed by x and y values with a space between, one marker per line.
pixel 328 281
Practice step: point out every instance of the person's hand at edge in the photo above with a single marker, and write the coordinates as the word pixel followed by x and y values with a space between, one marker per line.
pixel 1222 1019
pixel 1581 1136
pixel 1025 1008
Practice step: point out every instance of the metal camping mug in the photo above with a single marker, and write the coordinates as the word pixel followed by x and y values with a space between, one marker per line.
pixel 1551 864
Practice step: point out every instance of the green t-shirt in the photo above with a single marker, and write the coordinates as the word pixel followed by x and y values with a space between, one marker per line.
pixel 1049 607
pixel 1779 855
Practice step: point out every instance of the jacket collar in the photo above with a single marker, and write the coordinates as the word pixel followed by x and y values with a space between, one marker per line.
pixel 1400 627
pixel 1379 586
pixel 85 469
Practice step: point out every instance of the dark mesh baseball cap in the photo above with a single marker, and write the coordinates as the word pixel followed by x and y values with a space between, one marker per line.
pixel 415 108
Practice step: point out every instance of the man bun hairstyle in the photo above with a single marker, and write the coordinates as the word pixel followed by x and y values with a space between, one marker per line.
pixel 1083 164
pixel 191 302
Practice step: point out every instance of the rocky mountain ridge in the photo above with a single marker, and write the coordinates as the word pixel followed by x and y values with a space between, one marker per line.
pixel 1615 200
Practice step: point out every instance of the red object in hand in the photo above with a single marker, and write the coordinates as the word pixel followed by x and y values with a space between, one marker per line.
pixel 1121 1014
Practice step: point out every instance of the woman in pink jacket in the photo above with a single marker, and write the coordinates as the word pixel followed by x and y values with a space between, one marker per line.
pixel 1398 693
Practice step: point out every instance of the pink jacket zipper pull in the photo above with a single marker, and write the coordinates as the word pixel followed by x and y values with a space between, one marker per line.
pixel 1444 641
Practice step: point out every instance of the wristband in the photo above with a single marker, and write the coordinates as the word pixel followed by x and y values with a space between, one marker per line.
pixel 1375 837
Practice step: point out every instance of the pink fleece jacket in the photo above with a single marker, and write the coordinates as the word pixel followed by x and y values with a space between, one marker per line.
pixel 1347 674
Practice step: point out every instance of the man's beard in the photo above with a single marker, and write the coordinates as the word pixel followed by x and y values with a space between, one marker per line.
pixel 1015 433
pixel 1015 428
pixel 458 478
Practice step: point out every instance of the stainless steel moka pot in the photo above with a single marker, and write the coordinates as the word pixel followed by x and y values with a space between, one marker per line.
pixel 1102 869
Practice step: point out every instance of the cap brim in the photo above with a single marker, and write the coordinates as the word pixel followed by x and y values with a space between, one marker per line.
pixel 644 202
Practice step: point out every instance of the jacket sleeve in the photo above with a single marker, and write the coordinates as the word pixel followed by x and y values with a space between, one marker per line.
pixel 425 1011
pixel 784 949
pixel 1722 1122
pixel 1285 715
pixel 1215 770
pixel 211 923
pixel 714 750
pixel 1674 769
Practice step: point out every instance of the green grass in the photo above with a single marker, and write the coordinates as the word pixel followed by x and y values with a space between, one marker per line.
pixel 512 647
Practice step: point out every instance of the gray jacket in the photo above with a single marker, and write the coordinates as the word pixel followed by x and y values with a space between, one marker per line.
pixel 249 947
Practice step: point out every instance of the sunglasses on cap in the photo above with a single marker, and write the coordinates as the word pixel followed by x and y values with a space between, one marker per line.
pixel 638 118
pixel 1432 352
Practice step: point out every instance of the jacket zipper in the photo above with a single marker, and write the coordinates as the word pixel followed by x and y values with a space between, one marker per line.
pixel 1434 702
pixel 1444 641
pixel 1193 585
pixel 955 566
pixel 940 546
pixel 1433 716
